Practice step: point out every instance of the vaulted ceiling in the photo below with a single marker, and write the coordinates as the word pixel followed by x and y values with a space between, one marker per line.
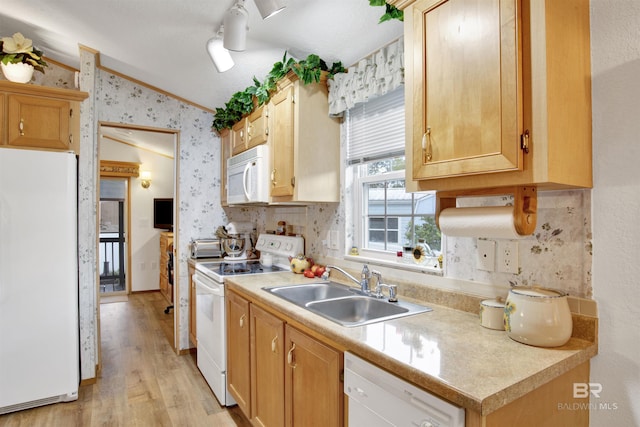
pixel 162 42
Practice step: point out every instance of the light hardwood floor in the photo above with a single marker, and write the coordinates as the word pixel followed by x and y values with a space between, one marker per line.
pixel 142 382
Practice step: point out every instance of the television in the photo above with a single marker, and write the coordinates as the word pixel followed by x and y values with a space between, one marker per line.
pixel 163 213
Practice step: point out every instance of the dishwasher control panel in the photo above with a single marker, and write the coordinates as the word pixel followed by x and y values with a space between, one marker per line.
pixel 378 398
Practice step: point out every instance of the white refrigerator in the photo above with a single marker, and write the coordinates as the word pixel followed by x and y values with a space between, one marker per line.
pixel 39 349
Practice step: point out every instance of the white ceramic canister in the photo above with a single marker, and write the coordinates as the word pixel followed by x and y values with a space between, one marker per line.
pixel 266 260
pixel 538 316
pixel 492 314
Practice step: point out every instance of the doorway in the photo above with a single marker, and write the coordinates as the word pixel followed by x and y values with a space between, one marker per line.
pixel 144 158
pixel 113 249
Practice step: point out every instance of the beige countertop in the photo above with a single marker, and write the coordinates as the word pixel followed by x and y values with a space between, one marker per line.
pixel 444 351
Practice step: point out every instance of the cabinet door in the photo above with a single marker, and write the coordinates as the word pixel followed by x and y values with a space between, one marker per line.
pixel 192 306
pixel 238 347
pixel 258 127
pixel 38 122
pixel 313 390
pixel 225 153
pixel 267 369
pixel 282 138
pixel 466 85
pixel 239 137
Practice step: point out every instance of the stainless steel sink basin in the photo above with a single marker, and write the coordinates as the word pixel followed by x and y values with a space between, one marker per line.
pixel 362 310
pixel 343 305
pixel 302 294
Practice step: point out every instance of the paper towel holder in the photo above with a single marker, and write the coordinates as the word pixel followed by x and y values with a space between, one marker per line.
pixel 525 204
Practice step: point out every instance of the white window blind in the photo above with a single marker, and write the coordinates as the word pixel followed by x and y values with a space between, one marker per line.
pixel 376 128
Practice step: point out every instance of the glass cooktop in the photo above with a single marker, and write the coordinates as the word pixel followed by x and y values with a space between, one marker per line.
pixel 223 268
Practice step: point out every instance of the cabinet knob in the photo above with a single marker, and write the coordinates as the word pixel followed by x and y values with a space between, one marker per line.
pixel 290 356
pixel 273 177
pixel 21 127
pixel 242 321
pixel 273 344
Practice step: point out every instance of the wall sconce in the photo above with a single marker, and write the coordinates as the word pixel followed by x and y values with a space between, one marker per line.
pixel 219 55
pixel 268 8
pixel 235 24
pixel 145 176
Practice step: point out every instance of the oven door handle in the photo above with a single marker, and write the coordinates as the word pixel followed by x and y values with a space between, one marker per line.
pixel 217 290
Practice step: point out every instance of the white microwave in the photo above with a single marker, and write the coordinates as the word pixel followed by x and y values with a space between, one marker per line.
pixel 248 177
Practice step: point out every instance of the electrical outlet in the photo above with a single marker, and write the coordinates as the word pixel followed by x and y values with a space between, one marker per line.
pixel 508 256
pixel 486 255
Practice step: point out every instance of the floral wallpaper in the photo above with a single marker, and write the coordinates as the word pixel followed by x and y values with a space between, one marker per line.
pixel 198 165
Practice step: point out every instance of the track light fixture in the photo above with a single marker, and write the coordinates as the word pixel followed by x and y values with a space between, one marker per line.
pixel 219 55
pixel 269 8
pixel 235 23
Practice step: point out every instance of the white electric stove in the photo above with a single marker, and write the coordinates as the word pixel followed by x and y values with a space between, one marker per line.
pixel 210 304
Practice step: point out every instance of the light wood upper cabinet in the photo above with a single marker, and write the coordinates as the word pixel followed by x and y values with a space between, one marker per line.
pixel 238 351
pixel 239 137
pixel 282 143
pixel 305 144
pixel 497 94
pixel 258 126
pixel 267 368
pixel 40 117
pixel 225 153
pixel 469 96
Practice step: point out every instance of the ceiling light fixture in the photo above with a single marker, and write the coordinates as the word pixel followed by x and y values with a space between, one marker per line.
pixel 269 8
pixel 219 55
pixel 235 22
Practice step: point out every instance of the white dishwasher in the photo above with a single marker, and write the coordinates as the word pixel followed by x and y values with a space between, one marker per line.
pixel 378 398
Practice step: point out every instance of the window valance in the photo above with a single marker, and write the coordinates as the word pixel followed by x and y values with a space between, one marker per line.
pixel 372 76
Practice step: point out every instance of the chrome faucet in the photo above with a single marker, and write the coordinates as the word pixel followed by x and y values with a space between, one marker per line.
pixel 365 277
pixel 328 269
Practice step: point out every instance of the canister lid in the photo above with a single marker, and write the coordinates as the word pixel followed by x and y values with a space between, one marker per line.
pixel 494 303
pixel 534 291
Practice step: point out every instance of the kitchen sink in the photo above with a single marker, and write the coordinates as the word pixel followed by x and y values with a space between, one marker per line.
pixel 303 294
pixel 344 305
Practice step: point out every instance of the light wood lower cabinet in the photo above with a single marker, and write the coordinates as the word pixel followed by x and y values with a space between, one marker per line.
pixel 294 379
pixel 238 351
pixel 313 391
pixel 267 368
pixel 191 266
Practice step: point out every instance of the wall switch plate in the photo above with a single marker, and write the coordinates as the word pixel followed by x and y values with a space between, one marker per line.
pixel 335 238
pixel 486 259
pixel 507 258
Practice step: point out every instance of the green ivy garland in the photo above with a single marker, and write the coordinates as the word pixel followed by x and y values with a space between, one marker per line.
pixel 308 71
pixel 241 103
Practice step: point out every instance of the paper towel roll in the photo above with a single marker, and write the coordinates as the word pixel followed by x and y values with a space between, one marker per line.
pixel 490 221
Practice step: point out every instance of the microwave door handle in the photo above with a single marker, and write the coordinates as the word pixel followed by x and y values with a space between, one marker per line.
pixel 245 183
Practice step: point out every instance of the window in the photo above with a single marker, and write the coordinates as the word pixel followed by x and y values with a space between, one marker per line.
pixel 387 218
